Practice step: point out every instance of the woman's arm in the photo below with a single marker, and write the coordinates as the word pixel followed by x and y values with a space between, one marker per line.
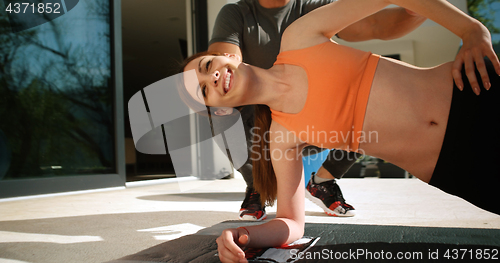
pixel 288 225
pixel 286 156
pixel 223 47
pixel 324 22
pixel 476 38
pixel 328 20
pixel 386 24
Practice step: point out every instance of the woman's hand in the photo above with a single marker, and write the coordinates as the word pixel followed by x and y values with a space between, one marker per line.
pixel 230 245
pixel 476 45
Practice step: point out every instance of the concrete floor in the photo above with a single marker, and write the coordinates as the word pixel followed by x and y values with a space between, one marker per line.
pixel 109 224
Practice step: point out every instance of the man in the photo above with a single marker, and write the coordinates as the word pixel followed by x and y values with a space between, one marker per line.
pixel 252 29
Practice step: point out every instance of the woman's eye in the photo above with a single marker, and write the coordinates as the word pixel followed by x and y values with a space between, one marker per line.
pixel 208 64
pixel 203 91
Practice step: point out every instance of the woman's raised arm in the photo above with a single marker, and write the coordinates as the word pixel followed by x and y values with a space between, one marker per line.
pixel 476 38
pixel 328 20
pixel 324 22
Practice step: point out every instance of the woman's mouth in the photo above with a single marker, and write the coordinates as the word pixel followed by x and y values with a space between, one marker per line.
pixel 227 82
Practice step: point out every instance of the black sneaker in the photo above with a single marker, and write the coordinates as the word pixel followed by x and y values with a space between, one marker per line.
pixel 328 196
pixel 251 208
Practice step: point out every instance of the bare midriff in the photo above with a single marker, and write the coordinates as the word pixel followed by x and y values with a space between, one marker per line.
pixel 407 115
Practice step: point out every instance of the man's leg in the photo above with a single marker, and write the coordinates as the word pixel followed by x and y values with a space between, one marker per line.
pixel 322 188
pixel 251 208
pixel 337 164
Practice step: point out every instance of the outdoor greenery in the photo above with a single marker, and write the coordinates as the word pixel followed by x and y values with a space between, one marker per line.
pixel 482 10
pixel 56 101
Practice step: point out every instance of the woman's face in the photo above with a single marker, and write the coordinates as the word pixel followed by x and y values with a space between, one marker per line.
pixel 217 79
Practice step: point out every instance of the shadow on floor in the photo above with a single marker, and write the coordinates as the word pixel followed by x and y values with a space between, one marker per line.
pixel 196 197
pixel 94 238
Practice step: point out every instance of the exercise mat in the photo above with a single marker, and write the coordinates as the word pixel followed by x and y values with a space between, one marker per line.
pixel 345 242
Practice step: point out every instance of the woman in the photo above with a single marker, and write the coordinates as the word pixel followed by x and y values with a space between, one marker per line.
pixel 332 96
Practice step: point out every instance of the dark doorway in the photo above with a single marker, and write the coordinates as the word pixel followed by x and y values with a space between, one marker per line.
pixel 154 43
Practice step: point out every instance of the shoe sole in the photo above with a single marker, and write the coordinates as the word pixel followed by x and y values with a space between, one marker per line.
pixel 253 218
pixel 327 210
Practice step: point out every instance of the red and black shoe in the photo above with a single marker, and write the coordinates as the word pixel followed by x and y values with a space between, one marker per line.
pixel 251 208
pixel 328 196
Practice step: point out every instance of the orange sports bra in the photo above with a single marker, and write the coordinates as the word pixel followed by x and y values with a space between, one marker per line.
pixel 339 83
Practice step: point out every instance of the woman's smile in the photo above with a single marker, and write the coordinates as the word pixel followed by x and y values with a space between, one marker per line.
pixel 216 76
pixel 228 81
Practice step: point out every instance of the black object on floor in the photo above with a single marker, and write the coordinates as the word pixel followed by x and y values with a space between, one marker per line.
pixel 345 242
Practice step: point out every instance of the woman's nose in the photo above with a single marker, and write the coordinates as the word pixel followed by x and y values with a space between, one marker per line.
pixel 215 77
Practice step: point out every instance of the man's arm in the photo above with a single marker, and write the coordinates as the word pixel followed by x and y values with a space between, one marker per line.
pixel 389 23
pixel 223 47
pixel 227 31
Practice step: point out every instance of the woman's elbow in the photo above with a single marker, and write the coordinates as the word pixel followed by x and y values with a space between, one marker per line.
pixel 297 235
pixel 296 231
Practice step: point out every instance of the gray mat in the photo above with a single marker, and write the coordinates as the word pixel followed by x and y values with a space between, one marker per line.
pixel 346 242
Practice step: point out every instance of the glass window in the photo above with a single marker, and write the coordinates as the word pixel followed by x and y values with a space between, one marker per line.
pixel 488 12
pixel 56 95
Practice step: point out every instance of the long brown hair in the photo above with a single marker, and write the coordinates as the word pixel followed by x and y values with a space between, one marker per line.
pixel 264 178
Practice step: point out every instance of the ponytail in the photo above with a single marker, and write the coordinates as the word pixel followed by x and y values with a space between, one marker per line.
pixel 264 178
